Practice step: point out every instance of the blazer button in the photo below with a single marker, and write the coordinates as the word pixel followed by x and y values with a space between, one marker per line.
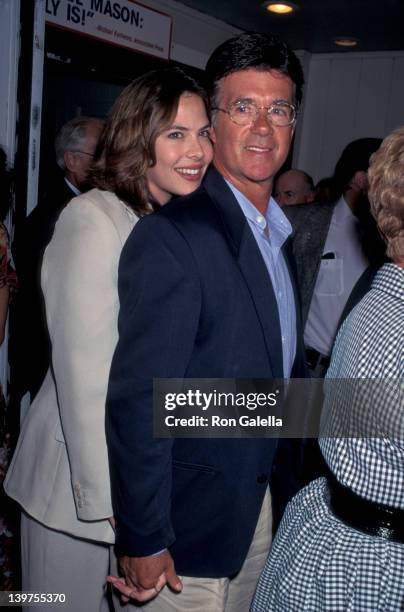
pixel 262 478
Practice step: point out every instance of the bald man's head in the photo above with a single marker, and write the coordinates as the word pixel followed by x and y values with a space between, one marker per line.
pixel 293 187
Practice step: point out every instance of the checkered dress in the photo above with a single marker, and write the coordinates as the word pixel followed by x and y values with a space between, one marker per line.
pixel 317 563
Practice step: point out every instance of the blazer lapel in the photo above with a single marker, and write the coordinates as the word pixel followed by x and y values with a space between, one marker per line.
pixel 251 263
pixel 310 228
pixel 299 369
pixel 259 283
pixel 317 224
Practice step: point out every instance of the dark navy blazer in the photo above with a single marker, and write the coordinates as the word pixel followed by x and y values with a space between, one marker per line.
pixel 196 301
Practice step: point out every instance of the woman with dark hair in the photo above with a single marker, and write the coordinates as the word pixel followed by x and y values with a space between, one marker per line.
pixel 156 144
pixel 340 545
pixel 143 159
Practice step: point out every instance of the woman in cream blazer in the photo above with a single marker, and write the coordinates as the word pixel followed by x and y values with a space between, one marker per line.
pixel 59 473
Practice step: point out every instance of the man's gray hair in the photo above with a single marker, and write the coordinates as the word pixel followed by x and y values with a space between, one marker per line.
pixel 71 137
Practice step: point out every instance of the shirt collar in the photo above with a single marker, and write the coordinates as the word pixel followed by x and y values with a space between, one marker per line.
pixel 275 219
pixel 343 213
pixel 72 187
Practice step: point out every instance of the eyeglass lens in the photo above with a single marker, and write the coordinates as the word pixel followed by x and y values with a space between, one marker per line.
pixel 247 112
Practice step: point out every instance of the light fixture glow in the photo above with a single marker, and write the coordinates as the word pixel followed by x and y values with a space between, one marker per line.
pixel 280 9
pixel 346 41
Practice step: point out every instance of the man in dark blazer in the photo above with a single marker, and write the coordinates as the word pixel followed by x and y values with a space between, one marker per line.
pixel 207 290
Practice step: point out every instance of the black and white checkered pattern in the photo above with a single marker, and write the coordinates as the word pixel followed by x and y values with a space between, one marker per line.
pixel 317 563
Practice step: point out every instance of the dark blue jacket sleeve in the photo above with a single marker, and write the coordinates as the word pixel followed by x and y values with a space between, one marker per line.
pixel 160 302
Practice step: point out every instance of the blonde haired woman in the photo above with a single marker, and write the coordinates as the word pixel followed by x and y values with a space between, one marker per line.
pixel 340 545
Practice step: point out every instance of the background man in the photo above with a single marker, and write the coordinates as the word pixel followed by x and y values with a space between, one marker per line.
pixel 330 252
pixel 293 187
pixel 206 291
pixel 75 146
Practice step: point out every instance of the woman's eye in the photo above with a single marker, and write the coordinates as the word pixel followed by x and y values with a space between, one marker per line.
pixel 205 133
pixel 175 135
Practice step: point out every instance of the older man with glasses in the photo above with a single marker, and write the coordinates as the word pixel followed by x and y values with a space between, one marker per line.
pixel 75 146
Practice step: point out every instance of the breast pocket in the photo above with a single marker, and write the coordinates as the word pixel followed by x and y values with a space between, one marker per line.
pixel 330 280
pixel 196 497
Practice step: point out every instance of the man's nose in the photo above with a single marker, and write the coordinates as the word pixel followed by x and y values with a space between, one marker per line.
pixel 262 123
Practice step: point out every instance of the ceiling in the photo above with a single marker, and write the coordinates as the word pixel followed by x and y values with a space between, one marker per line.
pixel 377 24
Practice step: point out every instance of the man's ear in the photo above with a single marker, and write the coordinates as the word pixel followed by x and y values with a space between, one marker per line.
pixel 70 161
pixel 213 134
pixel 360 180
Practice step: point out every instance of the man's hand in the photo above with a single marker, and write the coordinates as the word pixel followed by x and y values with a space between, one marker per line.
pixel 144 577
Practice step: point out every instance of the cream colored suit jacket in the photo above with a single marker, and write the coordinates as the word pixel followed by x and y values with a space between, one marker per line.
pixel 59 473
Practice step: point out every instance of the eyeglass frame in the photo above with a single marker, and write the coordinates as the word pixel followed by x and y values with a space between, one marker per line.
pixel 84 152
pixel 258 108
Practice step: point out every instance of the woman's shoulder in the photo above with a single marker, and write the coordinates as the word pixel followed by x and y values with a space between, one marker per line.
pixel 99 200
pixel 97 211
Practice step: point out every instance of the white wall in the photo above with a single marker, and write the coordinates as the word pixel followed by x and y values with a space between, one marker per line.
pixel 347 96
pixel 194 34
pixel 9 51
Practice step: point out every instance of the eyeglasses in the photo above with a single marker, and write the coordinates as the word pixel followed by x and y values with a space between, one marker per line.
pixel 281 114
pixel 84 152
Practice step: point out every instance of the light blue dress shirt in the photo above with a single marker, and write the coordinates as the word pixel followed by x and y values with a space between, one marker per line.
pixel 271 231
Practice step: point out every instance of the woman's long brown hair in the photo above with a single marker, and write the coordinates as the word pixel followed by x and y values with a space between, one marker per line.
pixel 143 110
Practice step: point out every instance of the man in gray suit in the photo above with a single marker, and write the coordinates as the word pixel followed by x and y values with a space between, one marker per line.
pixel 329 251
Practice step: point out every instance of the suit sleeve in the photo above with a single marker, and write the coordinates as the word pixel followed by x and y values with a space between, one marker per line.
pixel 79 280
pixel 160 300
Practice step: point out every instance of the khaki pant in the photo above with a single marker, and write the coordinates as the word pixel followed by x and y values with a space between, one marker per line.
pixel 220 594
